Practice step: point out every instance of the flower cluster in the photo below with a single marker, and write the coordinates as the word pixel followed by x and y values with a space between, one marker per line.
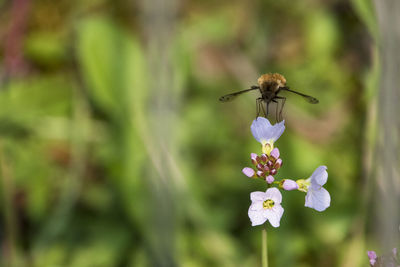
pixel 266 206
pixel 391 259
pixel 266 166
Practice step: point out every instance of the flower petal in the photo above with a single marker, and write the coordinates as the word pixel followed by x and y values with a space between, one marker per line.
pixel 274 215
pixel 259 128
pixel 318 199
pixel 372 257
pixel 274 194
pixel 263 130
pixel 249 172
pixel 256 217
pixel 257 205
pixel 277 130
pixel 257 196
pixel 319 176
pixel 371 254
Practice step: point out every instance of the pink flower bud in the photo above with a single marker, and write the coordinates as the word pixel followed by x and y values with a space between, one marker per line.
pixel 289 185
pixel 253 157
pixel 270 179
pixel 278 164
pixel 273 171
pixel 266 169
pixel 260 174
pixel 275 153
pixel 249 172
pixel 264 158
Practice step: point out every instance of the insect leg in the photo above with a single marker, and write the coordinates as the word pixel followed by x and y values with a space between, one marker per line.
pixel 262 107
pixel 258 103
pixel 283 103
pixel 266 108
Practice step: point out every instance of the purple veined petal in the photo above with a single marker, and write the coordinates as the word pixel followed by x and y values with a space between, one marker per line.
pixel 275 153
pixel 262 130
pixel 277 130
pixel 319 199
pixel 274 215
pixel 319 176
pixel 274 194
pixel 249 172
pixel 256 217
pixel 394 252
pixel 289 184
pixel 270 179
pixel 257 196
pixel 259 128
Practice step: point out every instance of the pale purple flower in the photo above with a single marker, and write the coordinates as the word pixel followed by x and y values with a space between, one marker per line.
pixel 265 133
pixel 372 257
pixel 317 197
pixel 266 206
pixel 289 184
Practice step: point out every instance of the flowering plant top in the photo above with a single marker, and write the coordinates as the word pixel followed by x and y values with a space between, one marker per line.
pixel 267 206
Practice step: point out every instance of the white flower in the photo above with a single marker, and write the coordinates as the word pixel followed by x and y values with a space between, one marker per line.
pixel 265 133
pixel 266 206
pixel 317 197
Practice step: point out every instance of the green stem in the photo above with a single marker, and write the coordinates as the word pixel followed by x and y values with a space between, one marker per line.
pixel 264 251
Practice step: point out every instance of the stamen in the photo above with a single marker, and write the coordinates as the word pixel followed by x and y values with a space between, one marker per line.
pixel 268 204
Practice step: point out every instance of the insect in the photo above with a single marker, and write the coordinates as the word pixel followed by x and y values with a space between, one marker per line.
pixel 270 85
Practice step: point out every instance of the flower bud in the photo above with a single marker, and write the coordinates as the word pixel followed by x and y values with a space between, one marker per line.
pixel 273 171
pixel 264 158
pixel 249 172
pixel 253 157
pixel 289 184
pixel 275 153
pixel 260 174
pixel 266 169
pixel 278 164
pixel 270 179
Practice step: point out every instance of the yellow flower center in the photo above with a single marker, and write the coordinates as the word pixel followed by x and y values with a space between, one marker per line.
pixel 267 147
pixel 303 185
pixel 268 204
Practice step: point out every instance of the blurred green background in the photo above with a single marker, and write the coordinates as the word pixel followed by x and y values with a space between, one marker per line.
pixel 115 151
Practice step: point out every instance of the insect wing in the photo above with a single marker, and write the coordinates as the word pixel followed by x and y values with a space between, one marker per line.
pixel 311 99
pixel 227 98
pixel 230 97
pixel 308 98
